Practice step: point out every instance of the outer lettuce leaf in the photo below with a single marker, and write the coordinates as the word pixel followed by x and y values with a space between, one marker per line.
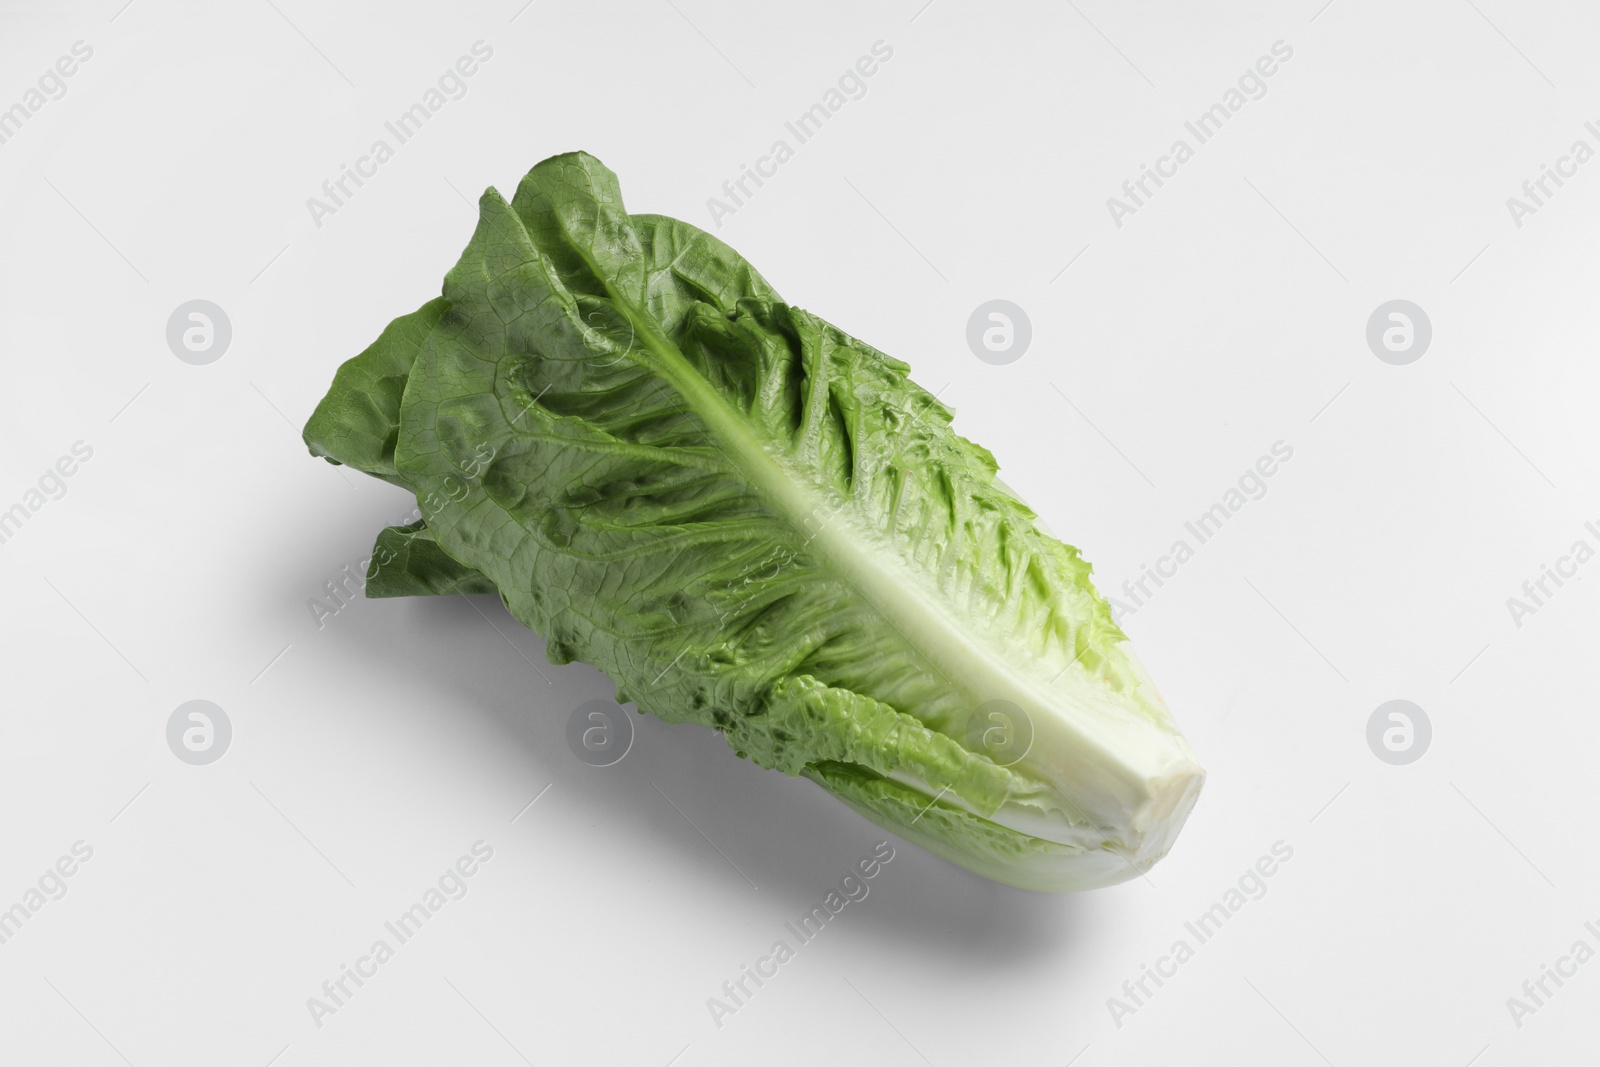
pixel 407 561
pixel 358 422
pixel 752 521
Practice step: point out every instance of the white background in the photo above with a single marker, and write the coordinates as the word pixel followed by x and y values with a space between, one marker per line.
pixel 1227 314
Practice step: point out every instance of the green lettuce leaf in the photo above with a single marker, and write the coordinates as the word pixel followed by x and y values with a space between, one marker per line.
pixel 407 561
pixel 752 521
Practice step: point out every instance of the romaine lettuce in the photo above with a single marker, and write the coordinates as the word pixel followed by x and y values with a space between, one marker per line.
pixel 752 521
